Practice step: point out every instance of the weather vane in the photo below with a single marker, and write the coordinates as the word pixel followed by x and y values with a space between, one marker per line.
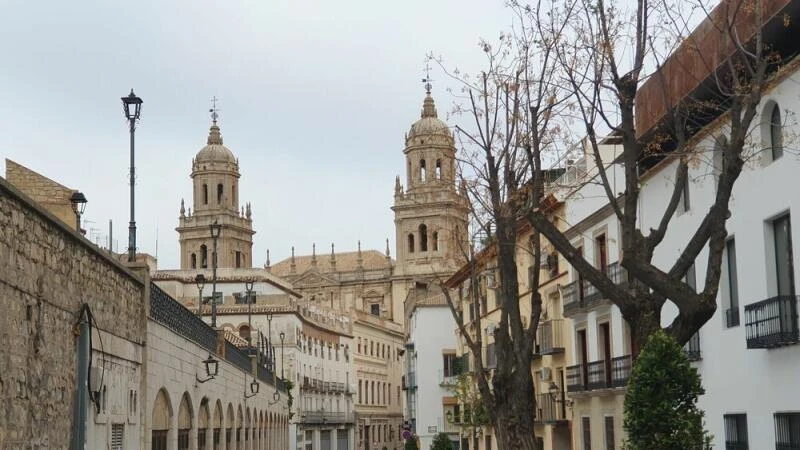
pixel 427 80
pixel 213 110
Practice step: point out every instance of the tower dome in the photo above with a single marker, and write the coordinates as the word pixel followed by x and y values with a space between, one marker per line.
pixel 429 123
pixel 214 151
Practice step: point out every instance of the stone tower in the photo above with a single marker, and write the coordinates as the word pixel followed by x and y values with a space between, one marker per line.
pixel 430 213
pixel 215 177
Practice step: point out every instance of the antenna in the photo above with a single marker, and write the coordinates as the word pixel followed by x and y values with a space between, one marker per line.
pixel 427 80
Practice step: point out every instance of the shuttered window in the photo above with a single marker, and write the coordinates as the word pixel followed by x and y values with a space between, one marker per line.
pixel 117 436
pixel 609 423
pixel 587 433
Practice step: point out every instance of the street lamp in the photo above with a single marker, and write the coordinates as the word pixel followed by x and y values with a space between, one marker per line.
pixel 132 106
pixel 282 336
pixel 200 281
pixel 78 201
pixel 554 395
pixel 212 369
pixel 216 228
pixel 249 287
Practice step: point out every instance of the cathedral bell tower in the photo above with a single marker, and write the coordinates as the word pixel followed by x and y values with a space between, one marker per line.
pixel 215 178
pixel 430 213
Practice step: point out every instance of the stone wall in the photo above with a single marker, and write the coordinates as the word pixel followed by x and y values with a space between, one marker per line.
pixel 47 271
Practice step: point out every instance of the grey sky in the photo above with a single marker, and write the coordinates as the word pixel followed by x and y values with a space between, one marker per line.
pixel 315 99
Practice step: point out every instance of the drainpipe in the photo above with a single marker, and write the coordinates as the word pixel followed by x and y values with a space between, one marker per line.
pixel 81 394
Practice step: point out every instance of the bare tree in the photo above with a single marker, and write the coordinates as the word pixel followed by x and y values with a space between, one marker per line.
pixel 513 112
pixel 734 64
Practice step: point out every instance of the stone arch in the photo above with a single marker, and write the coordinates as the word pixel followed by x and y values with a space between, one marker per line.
pixel 193 259
pixel 239 424
pixel 185 419
pixel 203 423
pixel 248 424
pixel 216 423
pixel 229 419
pixel 423 237
pixel 204 256
pixel 161 419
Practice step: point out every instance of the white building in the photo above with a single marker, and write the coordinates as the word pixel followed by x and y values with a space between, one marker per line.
pixel 431 341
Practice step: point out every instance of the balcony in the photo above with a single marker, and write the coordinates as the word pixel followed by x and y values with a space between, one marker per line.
pixel 447 379
pixel 325 417
pixel 692 348
pixel 549 337
pixel 600 374
pixel 550 410
pixel 581 295
pixel 409 381
pixel 771 323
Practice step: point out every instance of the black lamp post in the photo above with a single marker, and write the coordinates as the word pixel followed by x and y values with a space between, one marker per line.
pixel 212 369
pixel 200 281
pixel 215 230
pixel 78 201
pixel 249 287
pixel 282 336
pixel 133 108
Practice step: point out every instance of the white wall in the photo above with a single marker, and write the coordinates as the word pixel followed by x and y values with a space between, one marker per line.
pixel 757 382
pixel 431 331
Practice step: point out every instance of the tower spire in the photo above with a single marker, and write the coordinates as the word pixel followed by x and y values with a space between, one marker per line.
pixel 427 80
pixel 214 110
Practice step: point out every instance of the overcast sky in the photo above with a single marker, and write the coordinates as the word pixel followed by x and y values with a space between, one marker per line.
pixel 315 98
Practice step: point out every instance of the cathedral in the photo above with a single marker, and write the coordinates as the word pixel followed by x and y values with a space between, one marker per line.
pixel 368 286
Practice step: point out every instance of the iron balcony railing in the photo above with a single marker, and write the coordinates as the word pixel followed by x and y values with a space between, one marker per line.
pixel 550 338
pixel 551 408
pixel 602 374
pixel 772 322
pixel 170 313
pixel 581 294
pixel 325 417
pixel 692 347
pixel 576 381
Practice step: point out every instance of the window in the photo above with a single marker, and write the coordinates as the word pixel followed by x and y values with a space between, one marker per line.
pixel 183 439
pixel 117 436
pixel 193 259
pixel 787 431
pixel 410 243
pixel 435 241
pixel 360 398
pixel 438 169
pixel 784 260
pixel 423 238
pixel 159 440
pixel 375 309
pixel 601 252
pixel 238 259
pixel 587 433
pixel 735 431
pixel 732 313
pixel 204 256
pixel 776 133
pixel 219 193
pixel 610 443
pixel 422 172
pixel 205 194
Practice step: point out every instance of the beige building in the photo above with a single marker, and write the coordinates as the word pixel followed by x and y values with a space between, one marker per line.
pixel 359 284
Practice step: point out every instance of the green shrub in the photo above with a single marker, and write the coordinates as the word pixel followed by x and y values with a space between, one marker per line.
pixel 661 410
pixel 411 444
pixel 442 442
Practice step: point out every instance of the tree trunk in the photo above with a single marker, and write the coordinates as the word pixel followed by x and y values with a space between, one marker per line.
pixel 514 413
pixel 643 323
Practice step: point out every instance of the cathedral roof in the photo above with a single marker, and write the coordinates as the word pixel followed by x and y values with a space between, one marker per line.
pixel 345 262
pixel 214 151
pixel 429 123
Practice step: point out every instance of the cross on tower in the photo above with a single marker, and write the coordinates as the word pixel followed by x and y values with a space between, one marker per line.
pixel 214 110
pixel 427 80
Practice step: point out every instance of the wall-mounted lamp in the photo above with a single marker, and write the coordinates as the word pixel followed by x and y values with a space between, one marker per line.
pixel 555 395
pixel 212 369
pixel 78 201
pixel 253 389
